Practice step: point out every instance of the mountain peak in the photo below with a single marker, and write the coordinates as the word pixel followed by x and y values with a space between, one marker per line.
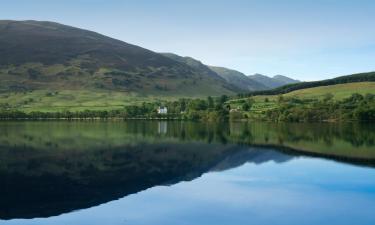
pixel 273 82
pixel 285 79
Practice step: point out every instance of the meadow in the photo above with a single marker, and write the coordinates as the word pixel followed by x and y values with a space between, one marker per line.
pixel 74 100
pixel 262 103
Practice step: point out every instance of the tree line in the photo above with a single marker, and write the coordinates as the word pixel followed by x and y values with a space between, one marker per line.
pixel 211 108
pixel 361 77
pixel 357 107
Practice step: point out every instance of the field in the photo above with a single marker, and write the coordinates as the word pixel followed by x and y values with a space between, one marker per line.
pixel 340 91
pixel 73 100
pixel 79 100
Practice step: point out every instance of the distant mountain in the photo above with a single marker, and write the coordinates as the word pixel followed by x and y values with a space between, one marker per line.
pixel 37 55
pixel 273 82
pixel 353 78
pixel 285 79
pixel 234 78
pixel 238 79
pixel 193 63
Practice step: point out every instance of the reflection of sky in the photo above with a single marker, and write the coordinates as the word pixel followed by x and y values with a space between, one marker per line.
pixel 300 191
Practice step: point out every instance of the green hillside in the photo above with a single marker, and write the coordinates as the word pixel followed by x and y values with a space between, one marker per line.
pixel 338 91
pixel 47 56
pixel 360 77
pixel 195 64
pixel 345 99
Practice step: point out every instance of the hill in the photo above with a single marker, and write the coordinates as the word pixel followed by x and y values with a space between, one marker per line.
pixel 273 82
pixel 39 55
pixel 360 77
pixel 344 101
pixel 193 63
pixel 285 79
pixel 234 78
pixel 239 79
pixel 338 91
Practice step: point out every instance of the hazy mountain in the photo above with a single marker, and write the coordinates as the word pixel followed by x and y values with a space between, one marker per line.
pixel 47 55
pixel 273 82
pixel 238 79
pixel 285 79
pixel 194 63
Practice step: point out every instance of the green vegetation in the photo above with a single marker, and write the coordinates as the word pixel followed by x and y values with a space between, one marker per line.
pixel 327 139
pixel 352 101
pixel 342 102
pixel 50 56
pixel 183 109
pixel 361 77
pixel 50 70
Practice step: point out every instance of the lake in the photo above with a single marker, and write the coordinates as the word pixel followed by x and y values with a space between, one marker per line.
pixel 159 172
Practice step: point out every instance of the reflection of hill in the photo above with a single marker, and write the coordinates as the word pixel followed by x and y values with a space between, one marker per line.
pixel 253 155
pixel 46 183
pixel 49 168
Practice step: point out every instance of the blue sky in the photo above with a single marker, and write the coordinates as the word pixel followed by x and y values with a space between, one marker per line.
pixel 307 40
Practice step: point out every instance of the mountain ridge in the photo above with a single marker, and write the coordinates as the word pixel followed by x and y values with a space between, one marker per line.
pixel 273 82
pixel 239 79
pixel 47 55
pixel 232 77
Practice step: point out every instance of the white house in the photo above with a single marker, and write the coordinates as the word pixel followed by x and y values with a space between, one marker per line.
pixel 162 110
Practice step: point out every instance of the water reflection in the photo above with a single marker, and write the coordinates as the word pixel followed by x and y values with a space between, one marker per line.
pixel 50 168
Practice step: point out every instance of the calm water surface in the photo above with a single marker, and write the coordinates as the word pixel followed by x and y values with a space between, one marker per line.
pixel 186 173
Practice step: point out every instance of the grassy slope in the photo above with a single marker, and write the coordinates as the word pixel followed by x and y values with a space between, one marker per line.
pixel 73 100
pixel 60 99
pixel 42 56
pixel 339 91
pixel 79 100
pixel 359 77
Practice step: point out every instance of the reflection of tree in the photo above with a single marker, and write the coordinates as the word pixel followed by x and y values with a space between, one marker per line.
pixel 92 135
pixel 358 134
pixel 90 163
pixel 41 183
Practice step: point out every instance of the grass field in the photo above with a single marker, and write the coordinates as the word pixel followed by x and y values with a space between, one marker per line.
pixel 73 100
pixel 339 92
pixel 79 100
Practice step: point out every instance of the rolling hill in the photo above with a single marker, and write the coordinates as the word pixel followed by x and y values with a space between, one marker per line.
pixel 235 78
pixel 273 82
pixel 39 55
pixel 338 91
pixel 46 66
pixel 353 78
pixel 193 63
pixel 239 79
pixel 352 101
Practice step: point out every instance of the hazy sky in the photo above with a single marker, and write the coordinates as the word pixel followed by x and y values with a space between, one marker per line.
pixel 305 39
